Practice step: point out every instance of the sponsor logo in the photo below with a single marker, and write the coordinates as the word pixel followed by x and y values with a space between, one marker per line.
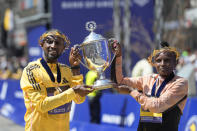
pixel 191 124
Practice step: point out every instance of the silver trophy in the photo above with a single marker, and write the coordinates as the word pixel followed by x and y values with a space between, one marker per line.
pixel 96 56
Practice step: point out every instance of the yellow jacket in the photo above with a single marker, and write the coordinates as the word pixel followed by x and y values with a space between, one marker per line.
pixel 48 103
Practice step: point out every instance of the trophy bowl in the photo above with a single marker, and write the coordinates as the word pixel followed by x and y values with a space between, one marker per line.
pixel 96 56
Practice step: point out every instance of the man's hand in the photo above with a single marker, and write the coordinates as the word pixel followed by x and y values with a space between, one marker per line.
pixel 123 89
pixel 116 48
pixel 74 57
pixel 83 90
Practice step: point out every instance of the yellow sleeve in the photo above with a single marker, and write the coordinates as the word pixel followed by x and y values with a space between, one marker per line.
pixel 35 93
pixel 77 80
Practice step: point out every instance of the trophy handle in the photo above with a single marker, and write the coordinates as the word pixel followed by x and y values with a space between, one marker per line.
pixel 112 59
pixel 110 45
pixel 79 47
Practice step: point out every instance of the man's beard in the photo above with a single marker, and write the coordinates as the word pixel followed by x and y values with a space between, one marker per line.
pixel 52 57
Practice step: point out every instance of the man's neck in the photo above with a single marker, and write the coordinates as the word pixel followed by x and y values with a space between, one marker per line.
pixel 51 61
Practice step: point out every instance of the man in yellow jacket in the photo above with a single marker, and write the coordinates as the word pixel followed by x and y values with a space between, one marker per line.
pixel 50 87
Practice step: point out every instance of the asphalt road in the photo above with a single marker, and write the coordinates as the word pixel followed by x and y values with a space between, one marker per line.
pixel 8 125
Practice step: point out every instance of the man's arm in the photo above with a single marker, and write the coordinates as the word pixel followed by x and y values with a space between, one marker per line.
pixel 35 93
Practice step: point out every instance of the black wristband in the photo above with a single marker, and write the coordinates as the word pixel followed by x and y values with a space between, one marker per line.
pixel 75 67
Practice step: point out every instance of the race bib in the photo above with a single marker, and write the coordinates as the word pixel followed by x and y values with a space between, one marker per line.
pixel 147 116
pixel 51 91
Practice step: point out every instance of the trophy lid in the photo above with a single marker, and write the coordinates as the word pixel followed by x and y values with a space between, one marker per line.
pixel 91 26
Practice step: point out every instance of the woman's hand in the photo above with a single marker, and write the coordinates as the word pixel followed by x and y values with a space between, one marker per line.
pixel 123 89
pixel 116 48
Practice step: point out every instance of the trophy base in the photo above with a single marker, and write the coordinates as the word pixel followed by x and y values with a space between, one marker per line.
pixel 103 84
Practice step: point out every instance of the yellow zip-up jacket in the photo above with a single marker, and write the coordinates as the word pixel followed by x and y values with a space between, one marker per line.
pixel 48 103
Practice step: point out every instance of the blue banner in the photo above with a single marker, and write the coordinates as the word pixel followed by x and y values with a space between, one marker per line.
pixel 11 101
pixel 70 16
pixel 83 126
pixel 33 35
pixel 122 112
pixel 189 118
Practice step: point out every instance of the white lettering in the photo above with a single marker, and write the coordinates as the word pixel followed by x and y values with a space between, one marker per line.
pixel 130 119
pixel 18 94
pixel 89 4
pixel 112 119
pixel 141 3
pixel 116 119
pixel 72 5
pixel 86 4
pixel 4 91
pixel 104 4
pixel 7 109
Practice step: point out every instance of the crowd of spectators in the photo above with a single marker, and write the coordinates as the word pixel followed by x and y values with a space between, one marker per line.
pixel 187 68
pixel 11 66
pixel 188 58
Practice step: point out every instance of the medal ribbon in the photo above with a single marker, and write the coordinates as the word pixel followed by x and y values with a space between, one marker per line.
pixel 48 70
pixel 161 86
